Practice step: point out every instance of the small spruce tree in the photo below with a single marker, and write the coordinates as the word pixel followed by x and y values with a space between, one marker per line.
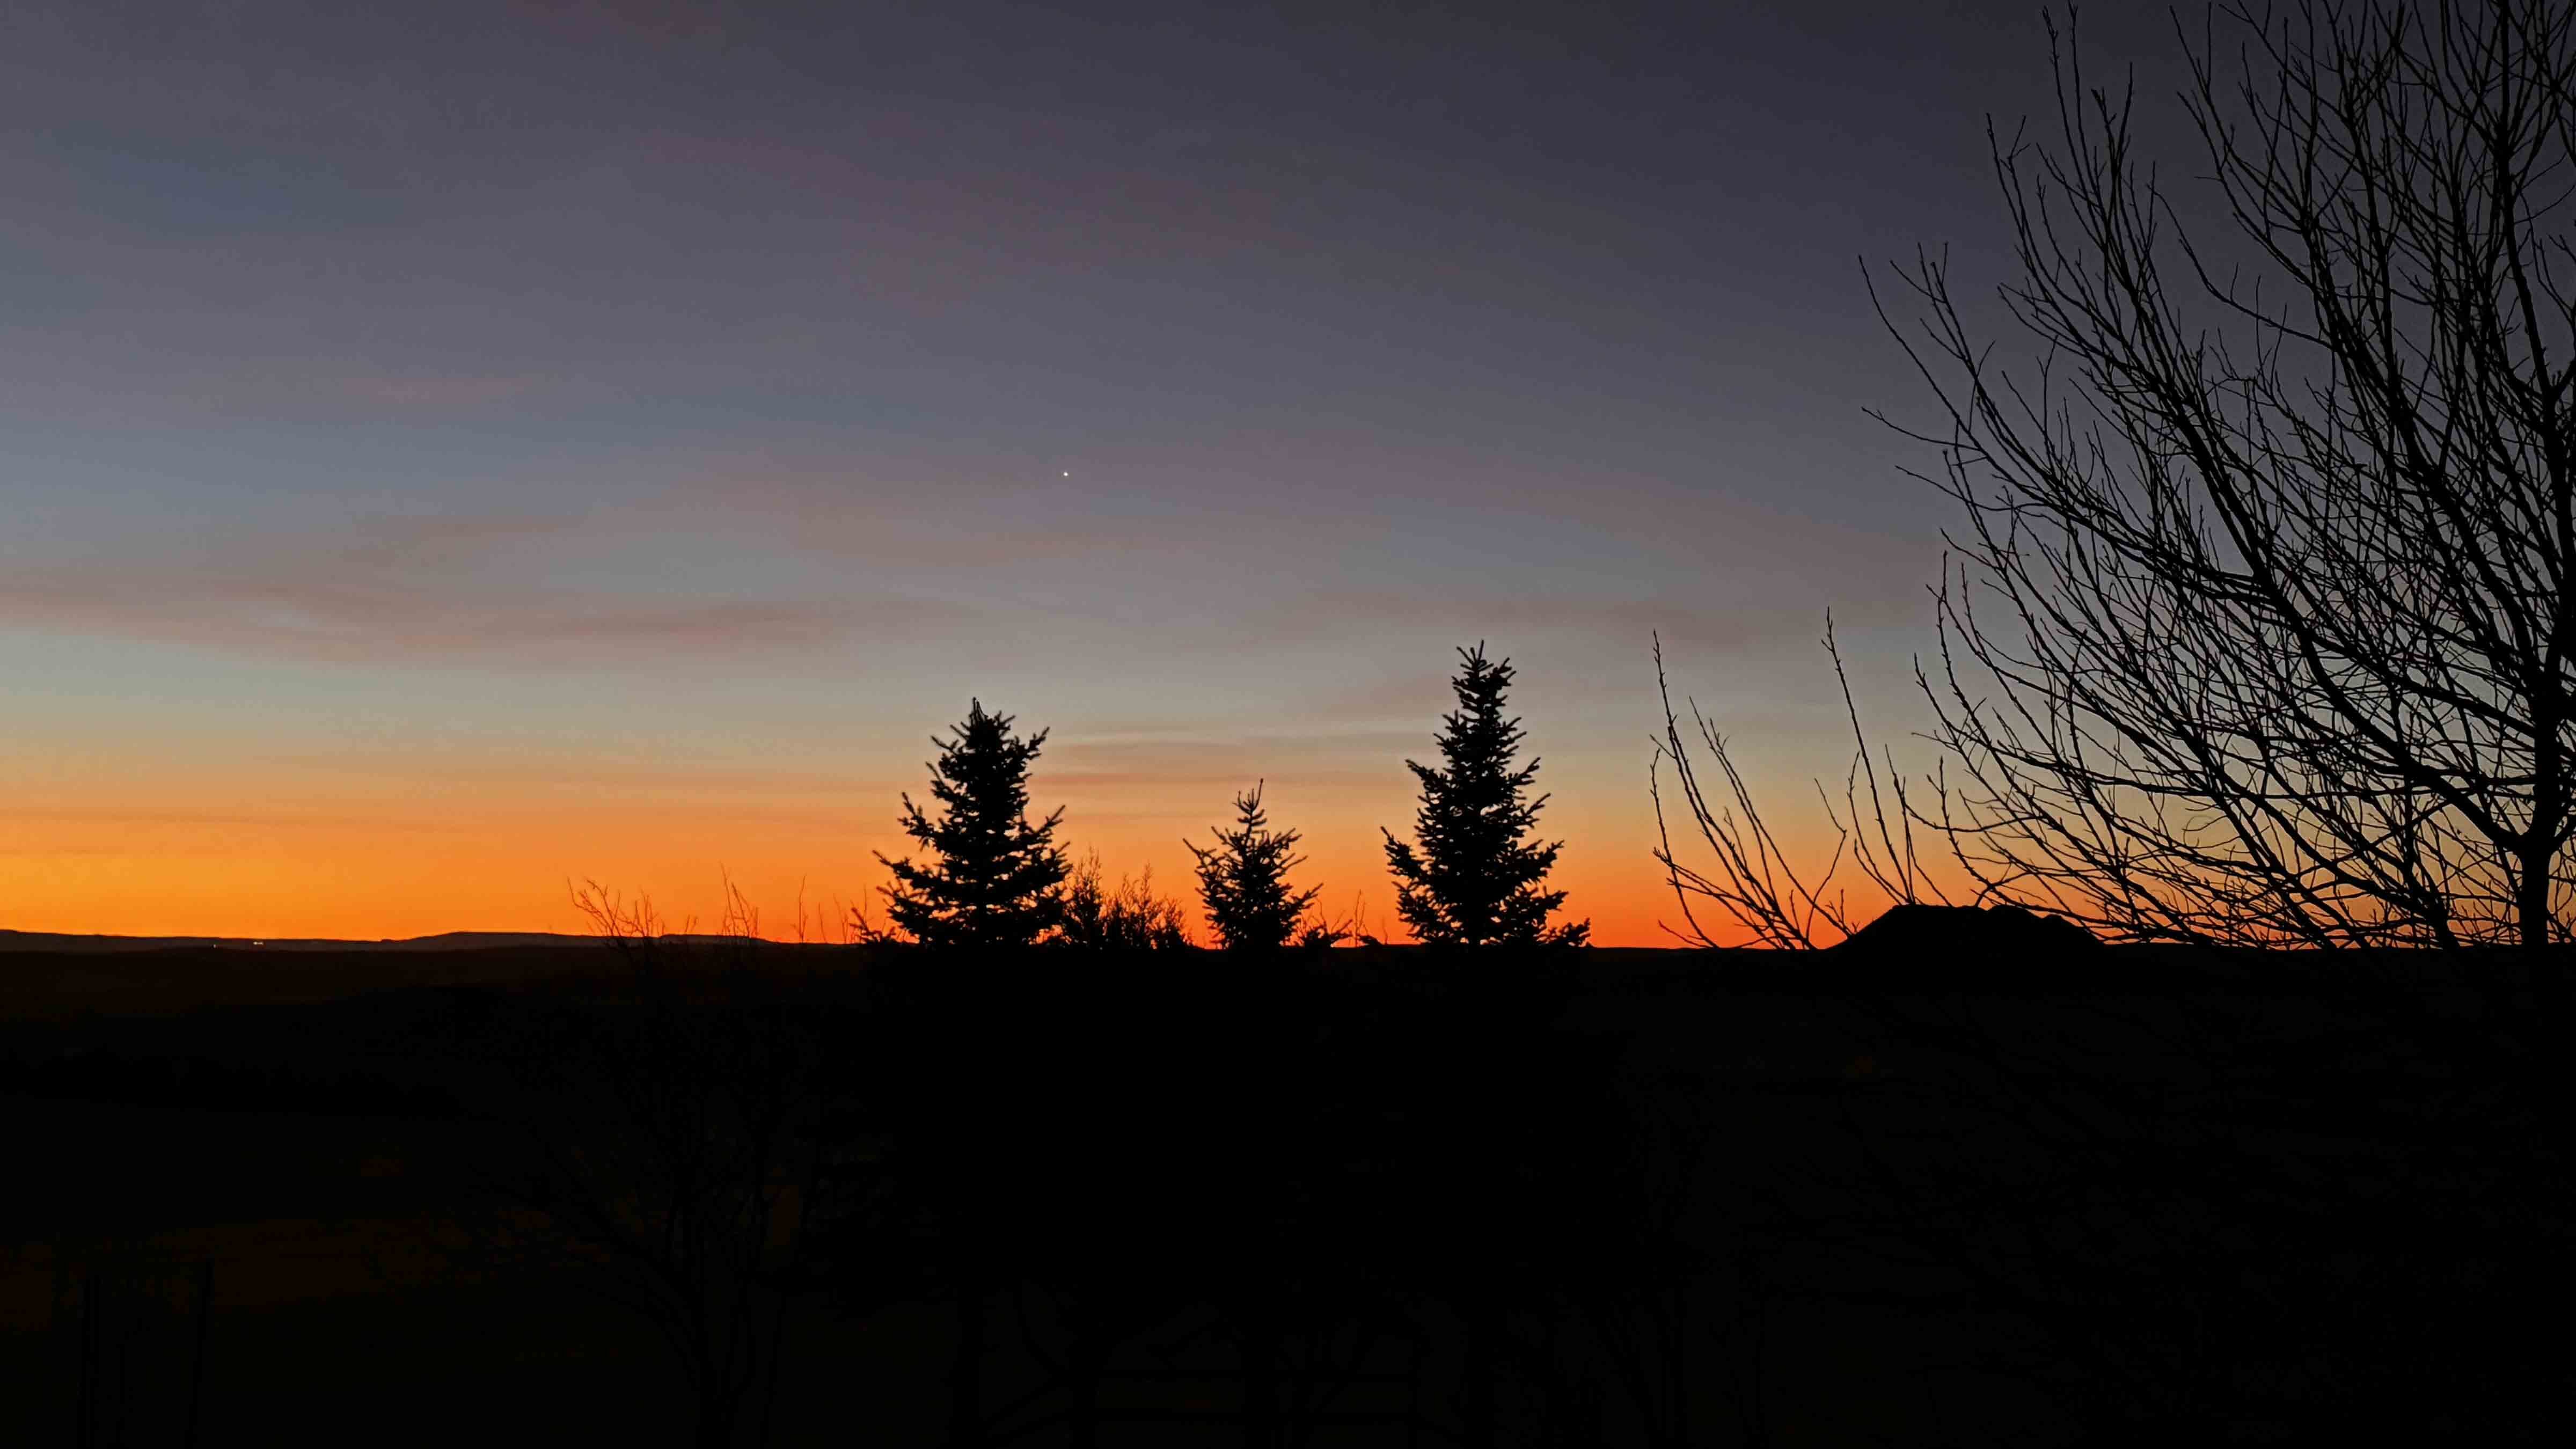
pixel 1474 881
pixel 994 877
pixel 1243 881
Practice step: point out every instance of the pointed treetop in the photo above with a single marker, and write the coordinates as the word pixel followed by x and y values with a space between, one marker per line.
pixel 1243 880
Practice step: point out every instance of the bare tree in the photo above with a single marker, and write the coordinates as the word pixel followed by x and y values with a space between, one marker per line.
pixel 671 1157
pixel 1750 878
pixel 1128 916
pixel 2258 630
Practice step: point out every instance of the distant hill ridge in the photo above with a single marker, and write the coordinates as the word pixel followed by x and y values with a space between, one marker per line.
pixel 446 941
pixel 1908 930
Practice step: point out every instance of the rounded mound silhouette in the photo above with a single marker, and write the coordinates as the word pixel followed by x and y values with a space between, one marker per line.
pixel 1966 932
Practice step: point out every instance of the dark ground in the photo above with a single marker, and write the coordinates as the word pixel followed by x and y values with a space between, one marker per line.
pixel 1935 1191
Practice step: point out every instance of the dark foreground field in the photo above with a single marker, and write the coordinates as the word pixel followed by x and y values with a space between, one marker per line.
pixel 1937 1191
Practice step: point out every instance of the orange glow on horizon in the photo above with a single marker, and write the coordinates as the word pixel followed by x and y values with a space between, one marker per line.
pixel 186 856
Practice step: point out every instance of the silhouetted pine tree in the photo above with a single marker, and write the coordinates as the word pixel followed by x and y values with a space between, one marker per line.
pixel 1474 882
pixel 1244 881
pixel 994 878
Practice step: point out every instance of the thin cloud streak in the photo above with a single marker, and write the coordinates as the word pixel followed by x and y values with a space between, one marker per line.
pixel 429 590
pixel 1327 765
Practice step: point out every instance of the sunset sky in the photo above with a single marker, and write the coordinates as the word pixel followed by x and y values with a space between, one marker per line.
pixel 455 451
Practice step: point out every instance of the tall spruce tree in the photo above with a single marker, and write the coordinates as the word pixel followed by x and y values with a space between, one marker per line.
pixel 1474 881
pixel 994 878
pixel 1243 881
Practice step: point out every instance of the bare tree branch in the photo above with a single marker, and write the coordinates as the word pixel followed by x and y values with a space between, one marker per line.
pixel 2257 631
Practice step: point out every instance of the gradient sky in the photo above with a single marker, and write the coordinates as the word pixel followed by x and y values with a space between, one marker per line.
pixel 455 451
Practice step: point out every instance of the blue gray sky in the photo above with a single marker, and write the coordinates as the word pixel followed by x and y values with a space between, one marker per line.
pixel 447 449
